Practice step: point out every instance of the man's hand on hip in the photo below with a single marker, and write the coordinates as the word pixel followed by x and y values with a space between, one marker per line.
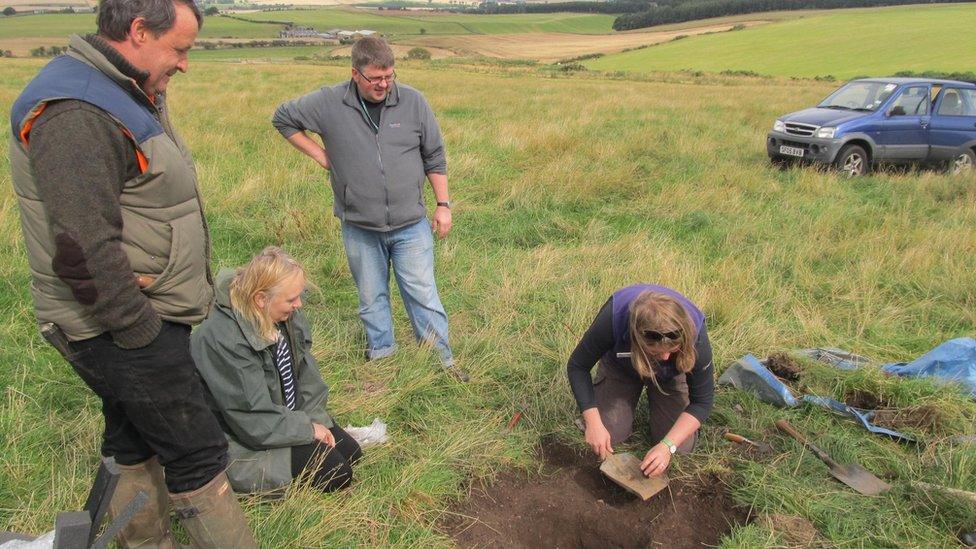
pixel 442 221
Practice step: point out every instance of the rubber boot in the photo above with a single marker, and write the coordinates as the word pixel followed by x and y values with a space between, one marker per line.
pixel 212 516
pixel 149 528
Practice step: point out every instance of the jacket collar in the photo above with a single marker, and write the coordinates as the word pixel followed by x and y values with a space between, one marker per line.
pixel 95 51
pixel 222 287
pixel 351 97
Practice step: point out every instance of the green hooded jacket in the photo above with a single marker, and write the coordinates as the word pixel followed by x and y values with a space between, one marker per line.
pixel 244 390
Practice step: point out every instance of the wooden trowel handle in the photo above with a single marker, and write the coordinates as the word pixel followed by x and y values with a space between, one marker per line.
pixel 785 426
pixel 732 437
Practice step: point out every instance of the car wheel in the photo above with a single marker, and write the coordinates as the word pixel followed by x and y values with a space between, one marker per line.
pixel 963 164
pixel 852 161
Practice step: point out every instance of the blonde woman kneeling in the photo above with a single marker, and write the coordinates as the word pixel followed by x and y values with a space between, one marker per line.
pixel 263 384
pixel 644 337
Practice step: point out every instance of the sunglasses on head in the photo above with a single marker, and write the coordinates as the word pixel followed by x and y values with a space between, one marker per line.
pixel 654 335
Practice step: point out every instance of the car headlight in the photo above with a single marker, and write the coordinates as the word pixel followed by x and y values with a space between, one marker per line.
pixel 779 126
pixel 826 133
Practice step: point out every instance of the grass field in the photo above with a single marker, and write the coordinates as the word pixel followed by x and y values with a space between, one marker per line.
pixel 393 23
pixel 551 46
pixel 260 54
pixel 61 25
pixel 566 189
pixel 888 40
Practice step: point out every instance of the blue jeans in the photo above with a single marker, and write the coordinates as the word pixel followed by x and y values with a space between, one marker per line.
pixel 410 250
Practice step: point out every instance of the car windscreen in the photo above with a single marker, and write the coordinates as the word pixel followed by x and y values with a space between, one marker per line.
pixel 859 96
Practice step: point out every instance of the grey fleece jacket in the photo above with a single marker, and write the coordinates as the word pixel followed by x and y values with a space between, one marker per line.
pixel 377 176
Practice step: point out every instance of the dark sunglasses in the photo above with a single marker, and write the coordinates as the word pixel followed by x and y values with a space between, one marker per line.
pixel 654 335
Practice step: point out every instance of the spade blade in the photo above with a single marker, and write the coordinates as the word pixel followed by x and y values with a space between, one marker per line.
pixel 859 478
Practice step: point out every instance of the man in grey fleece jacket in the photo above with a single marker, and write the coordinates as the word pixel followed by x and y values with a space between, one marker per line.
pixel 380 142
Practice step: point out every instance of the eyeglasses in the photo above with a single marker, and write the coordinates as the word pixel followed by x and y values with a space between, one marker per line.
pixel 378 79
pixel 654 335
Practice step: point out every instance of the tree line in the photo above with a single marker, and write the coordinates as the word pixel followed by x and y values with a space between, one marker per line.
pixel 635 14
pixel 678 12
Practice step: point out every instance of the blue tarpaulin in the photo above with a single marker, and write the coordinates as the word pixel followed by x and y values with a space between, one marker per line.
pixel 864 417
pixel 952 361
pixel 749 375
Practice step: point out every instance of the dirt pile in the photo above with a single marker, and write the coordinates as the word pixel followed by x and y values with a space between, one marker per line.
pixel 572 505
pixel 925 417
pixel 783 366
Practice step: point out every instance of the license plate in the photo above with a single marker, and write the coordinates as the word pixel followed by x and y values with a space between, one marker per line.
pixel 792 151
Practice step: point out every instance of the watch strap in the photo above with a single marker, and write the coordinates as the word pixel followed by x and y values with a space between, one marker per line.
pixel 445 204
pixel 672 447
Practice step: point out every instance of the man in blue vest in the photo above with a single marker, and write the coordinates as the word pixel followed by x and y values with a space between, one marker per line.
pixel 119 252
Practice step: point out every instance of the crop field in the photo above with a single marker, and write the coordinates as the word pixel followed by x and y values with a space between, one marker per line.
pixel 549 47
pixel 888 40
pixel 567 187
pixel 406 23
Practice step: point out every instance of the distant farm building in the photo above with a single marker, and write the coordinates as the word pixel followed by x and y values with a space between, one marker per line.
pixel 333 34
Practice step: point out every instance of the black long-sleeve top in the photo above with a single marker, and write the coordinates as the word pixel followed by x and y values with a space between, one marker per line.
pixel 598 340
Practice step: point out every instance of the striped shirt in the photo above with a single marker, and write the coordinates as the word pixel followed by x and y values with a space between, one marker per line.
pixel 283 360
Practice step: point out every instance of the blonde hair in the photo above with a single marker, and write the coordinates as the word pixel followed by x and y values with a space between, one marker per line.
pixel 660 312
pixel 266 273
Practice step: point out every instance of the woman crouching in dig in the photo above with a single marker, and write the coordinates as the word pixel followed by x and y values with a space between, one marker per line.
pixel 644 336
pixel 263 384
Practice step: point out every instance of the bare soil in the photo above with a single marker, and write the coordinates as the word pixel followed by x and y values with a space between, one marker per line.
pixel 864 400
pixel 571 505
pixel 784 366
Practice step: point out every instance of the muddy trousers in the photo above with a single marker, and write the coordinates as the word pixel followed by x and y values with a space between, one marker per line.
pixel 618 394
pixel 154 405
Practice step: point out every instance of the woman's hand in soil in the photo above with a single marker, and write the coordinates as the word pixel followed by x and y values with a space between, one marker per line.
pixel 598 438
pixel 656 460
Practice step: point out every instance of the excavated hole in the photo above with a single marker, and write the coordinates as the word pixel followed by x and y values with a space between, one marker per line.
pixel 572 505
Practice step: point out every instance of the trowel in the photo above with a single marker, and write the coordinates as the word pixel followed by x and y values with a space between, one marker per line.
pixel 762 448
pixel 624 469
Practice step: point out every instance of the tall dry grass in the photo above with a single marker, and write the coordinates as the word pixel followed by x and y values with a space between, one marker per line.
pixel 566 189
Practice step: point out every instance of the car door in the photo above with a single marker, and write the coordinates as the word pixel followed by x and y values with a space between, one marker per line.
pixel 904 132
pixel 953 122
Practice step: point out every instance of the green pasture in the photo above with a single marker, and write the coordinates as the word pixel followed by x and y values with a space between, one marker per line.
pixel 285 53
pixel 573 23
pixel 65 24
pixel 403 23
pixel 843 43
pixel 407 23
pixel 556 207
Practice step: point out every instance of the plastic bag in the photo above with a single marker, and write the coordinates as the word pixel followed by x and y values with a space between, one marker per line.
pixel 749 375
pixel 952 361
pixel 838 358
pixel 44 542
pixel 371 435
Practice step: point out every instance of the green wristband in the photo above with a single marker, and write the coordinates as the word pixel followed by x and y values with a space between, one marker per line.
pixel 671 446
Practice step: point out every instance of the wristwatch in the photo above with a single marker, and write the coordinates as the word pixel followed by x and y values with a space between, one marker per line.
pixel 445 204
pixel 667 442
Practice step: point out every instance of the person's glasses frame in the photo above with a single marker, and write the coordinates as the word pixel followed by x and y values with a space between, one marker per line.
pixel 378 79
